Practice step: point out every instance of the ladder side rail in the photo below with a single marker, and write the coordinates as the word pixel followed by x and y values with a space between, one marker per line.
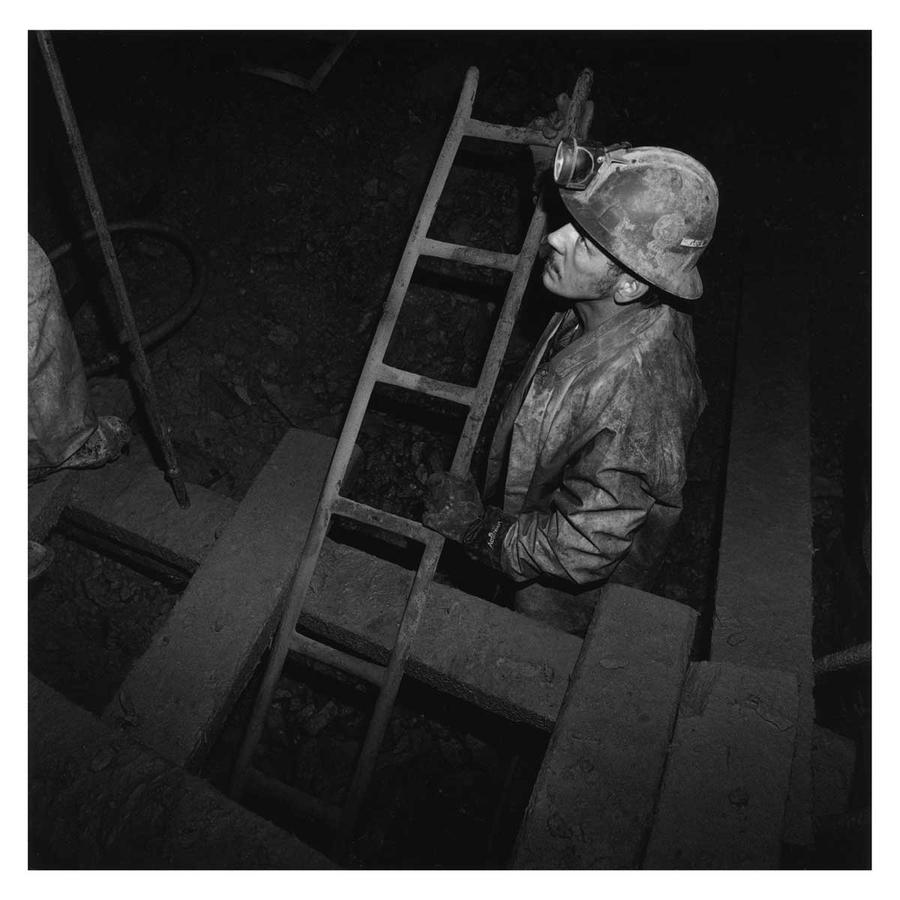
pixel 499 342
pixel 342 453
pixel 574 123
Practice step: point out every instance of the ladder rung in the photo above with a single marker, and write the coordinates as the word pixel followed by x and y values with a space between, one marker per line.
pixel 353 665
pixel 359 512
pixel 471 255
pixel 300 804
pixel 457 393
pixel 512 134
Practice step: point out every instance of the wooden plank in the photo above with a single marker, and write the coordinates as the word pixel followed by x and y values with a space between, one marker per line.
pixel 465 646
pixel 132 504
pixel 176 696
pixel 722 801
pixel 99 800
pixel 764 584
pixel 472 649
pixel 593 800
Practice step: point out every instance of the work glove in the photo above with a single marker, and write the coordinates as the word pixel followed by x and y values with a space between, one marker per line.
pixel 454 509
pixel 551 126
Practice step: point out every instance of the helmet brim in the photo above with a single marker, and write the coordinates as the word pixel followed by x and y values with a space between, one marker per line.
pixel 684 285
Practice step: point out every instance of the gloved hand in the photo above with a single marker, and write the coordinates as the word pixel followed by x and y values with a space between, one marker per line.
pixel 454 509
pixel 551 126
pixel 452 504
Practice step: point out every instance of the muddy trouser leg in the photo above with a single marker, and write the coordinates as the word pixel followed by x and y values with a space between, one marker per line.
pixel 569 611
pixel 60 415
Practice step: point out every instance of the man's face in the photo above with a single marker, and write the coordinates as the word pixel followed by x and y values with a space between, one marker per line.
pixel 576 267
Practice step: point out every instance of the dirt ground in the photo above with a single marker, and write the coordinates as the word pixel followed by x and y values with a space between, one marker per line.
pixel 300 204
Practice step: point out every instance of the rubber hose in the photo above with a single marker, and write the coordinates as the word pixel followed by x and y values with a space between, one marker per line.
pixel 165 328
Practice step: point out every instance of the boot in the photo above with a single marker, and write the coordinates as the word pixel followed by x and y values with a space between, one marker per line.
pixel 104 445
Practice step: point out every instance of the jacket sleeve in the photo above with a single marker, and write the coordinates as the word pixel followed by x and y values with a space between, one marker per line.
pixel 590 520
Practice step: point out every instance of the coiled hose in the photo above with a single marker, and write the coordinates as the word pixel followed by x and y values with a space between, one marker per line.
pixel 163 329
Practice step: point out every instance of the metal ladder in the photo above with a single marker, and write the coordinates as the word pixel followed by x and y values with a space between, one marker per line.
pixel 387 678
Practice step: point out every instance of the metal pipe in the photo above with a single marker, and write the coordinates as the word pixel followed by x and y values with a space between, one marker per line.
pixel 851 658
pixel 141 368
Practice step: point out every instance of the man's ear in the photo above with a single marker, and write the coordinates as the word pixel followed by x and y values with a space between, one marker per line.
pixel 628 289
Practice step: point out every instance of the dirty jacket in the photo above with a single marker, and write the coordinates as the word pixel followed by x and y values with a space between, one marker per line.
pixel 594 436
pixel 60 415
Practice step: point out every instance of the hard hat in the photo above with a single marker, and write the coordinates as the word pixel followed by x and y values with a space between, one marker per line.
pixel 651 208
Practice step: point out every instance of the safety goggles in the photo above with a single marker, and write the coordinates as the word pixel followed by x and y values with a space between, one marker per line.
pixel 576 164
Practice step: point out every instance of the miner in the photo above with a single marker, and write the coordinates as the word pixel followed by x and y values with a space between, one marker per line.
pixel 588 458
pixel 64 432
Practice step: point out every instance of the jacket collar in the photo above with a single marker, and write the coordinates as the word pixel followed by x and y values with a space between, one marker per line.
pixel 607 341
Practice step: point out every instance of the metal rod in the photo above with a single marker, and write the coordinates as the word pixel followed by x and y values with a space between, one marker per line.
pixel 331 656
pixel 445 390
pixel 369 515
pixel 471 255
pixel 497 348
pixel 141 367
pixel 347 440
pixel 851 658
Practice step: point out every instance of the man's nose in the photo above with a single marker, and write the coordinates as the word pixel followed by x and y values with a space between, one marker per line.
pixel 561 237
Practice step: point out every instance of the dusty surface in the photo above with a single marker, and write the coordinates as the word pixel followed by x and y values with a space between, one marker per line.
pixel 176 697
pixel 595 795
pixel 301 204
pixel 99 800
pixel 722 801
